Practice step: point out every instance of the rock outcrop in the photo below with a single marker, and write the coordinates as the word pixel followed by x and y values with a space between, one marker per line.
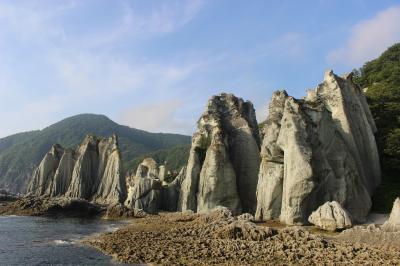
pixel 393 224
pixel 331 217
pixel 92 172
pixel 144 190
pixel 50 206
pixel 318 149
pixel 43 176
pixel 223 164
pixel 170 192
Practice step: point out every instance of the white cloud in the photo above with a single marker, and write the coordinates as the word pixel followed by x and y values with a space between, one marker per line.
pixel 171 16
pixel 102 75
pixel 290 46
pixel 82 68
pixel 166 17
pixel 369 38
pixel 31 22
pixel 292 43
pixel 157 117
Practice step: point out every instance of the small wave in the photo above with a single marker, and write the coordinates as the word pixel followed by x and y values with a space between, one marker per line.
pixel 112 228
pixel 9 216
pixel 63 242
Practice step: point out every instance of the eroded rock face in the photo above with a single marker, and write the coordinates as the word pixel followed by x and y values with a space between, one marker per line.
pixel 171 192
pixel 43 176
pixel 318 149
pixel 92 172
pixel 224 158
pixel 331 217
pixel 393 224
pixel 63 174
pixel 144 191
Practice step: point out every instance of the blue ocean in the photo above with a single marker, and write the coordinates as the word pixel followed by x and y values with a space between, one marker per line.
pixel 50 241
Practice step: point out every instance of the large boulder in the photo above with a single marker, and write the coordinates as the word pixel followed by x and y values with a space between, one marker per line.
pixel 92 172
pixel 318 149
pixel 223 164
pixel 393 224
pixel 331 217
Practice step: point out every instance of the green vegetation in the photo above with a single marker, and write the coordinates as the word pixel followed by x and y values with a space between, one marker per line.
pixel 381 77
pixel 21 153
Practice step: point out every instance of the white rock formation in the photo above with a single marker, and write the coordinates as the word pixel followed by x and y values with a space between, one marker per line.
pixel 224 158
pixel 144 190
pixel 42 179
pixel 318 149
pixel 162 174
pixel 331 217
pixel 170 192
pixel 92 172
pixel 393 224
pixel 63 175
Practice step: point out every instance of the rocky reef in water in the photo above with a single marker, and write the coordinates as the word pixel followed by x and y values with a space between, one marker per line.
pixel 51 206
pixel 92 172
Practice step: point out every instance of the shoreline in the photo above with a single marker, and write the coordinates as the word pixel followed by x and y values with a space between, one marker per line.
pixel 53 240
pixel 217 238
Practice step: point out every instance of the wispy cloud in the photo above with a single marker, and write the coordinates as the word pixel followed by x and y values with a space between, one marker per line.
pixel 30 22
pixel 290 45
pixel 166 17
pixel 157 117
pixel 81 67
pixel 369 38
pixel 171 16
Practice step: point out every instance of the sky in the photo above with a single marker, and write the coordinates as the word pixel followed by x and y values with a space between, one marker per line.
pixel 153 65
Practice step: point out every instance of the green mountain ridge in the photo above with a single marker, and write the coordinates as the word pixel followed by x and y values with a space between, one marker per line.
pixel 21 153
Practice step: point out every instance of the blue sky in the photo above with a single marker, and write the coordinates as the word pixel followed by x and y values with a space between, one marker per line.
pixel 153 64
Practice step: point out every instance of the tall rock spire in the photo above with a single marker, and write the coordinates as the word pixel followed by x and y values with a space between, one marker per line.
pixel 224 158
pixel 318 149
pixel 92 172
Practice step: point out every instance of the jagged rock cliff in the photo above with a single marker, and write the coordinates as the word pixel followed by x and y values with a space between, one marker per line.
pixel 224 158
pixel 318 149
pixel 92 172
pixel 43 176
pixel 170 192
pixel 144 188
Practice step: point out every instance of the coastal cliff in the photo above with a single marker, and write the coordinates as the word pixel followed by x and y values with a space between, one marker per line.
pixel 92 172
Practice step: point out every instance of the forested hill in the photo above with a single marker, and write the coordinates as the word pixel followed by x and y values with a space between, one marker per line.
pixel 381 80
pixel 21 153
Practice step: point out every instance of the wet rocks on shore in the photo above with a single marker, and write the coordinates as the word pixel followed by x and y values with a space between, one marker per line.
pixel 220 238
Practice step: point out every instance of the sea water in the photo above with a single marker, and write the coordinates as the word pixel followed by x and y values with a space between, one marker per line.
pixel 50 241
